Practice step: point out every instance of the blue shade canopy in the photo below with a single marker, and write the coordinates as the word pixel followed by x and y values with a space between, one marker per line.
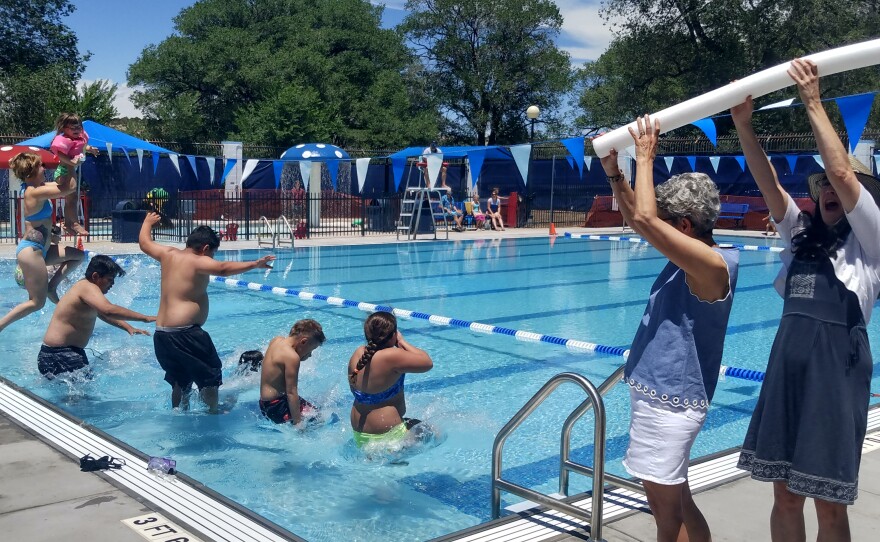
pixel 493 152
pixel 100 136
pixel 315 152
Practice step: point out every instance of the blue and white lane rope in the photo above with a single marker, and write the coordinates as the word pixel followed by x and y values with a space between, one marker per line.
pixel 733 372
pixel 639 240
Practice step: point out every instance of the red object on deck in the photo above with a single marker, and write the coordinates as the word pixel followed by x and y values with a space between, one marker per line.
pixel 8 152
pixel 512 208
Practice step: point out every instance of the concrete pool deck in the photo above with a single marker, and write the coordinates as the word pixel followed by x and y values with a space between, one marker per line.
pixel 44 496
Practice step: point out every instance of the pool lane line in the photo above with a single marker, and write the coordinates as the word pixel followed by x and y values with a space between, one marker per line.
pixel 639 240
pixel 529 336
pixel 733 372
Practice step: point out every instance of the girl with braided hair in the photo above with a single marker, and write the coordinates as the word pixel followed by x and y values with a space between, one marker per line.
pixel 375 375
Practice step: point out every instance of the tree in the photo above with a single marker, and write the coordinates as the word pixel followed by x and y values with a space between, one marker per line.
pixel 487 61
pixel 280 72
pixel 33 36
pixel 40 67
pixel 666 51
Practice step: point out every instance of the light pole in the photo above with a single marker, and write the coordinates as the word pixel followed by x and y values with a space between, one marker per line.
pixel 533 112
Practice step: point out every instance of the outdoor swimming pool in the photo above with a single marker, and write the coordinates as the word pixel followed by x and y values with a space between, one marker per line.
pixel 316 483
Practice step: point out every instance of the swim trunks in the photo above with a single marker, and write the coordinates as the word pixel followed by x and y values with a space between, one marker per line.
pixel 278 410
pixel 55 360
pixel 393 436
pixel 188 356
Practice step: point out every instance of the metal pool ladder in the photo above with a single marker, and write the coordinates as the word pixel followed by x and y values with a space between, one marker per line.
pixel 600 478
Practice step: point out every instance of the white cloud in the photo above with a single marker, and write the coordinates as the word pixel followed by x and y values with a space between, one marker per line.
pixel 123 104
pixel 584 34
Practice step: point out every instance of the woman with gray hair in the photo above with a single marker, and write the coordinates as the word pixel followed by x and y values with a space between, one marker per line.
pixel 675 357
pixel 807 430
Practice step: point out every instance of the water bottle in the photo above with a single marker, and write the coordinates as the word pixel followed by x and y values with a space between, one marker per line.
pixel 161 467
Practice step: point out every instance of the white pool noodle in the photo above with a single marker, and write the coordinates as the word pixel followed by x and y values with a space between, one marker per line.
pixel 850 57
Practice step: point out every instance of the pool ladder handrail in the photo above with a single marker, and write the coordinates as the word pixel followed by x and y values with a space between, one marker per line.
pixel 270 235
pixel 600 477
pixel 285 231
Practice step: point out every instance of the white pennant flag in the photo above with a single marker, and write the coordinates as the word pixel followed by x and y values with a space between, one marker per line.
pixel 777 105
pixel 110 151
pixel 249 168
pixel 174 162
pixel 305 169
pixel 212 163
pixel 588 160
pixel 435 162
pixel 819 161
pixel 140 153
pixel 715 161
pixel 362 165
pixel 877 163
pixel 521 155
pixel 669 160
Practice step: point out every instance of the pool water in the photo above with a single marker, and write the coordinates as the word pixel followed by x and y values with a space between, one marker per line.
pixel 315 483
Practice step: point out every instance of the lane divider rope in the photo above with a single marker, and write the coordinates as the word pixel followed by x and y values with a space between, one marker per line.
pixel 529 336
pixel 639 240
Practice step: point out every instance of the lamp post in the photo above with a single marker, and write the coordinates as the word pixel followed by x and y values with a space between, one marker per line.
pixel 533 112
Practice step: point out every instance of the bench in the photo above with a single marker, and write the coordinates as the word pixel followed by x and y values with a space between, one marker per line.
pixel 734 211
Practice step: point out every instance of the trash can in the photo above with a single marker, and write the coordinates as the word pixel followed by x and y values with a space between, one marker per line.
pixel 126 222
pixel 379 216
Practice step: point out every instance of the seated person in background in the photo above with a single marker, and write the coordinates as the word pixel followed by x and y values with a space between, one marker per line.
pixel 375 375
pixel 477 212
pixel 451 211
pixel 493 211
pixel 250 362
pixel 73 321
pixel 279 381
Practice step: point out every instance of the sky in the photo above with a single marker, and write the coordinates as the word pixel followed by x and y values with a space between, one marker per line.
pixel 116 32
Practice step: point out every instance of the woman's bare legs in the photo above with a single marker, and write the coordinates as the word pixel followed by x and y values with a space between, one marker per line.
pixel 677 516
pixel 36 280
pixel 833 521
pixel 787 517
pixel 67 259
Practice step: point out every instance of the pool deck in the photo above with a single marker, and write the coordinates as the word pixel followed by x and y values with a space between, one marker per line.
pixel 44 496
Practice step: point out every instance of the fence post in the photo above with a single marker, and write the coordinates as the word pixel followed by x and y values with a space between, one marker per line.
pixel 363 216
pixel 247 214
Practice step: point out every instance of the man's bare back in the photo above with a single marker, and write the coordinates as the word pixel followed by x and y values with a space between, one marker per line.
pixel 184 297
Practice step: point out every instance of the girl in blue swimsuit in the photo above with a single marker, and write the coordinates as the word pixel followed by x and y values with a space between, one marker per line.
pixel 375 374
pixel 36 249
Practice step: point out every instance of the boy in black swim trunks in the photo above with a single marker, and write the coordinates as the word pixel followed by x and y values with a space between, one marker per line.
pixel 183 348
pixel 73 321
pixel 279 381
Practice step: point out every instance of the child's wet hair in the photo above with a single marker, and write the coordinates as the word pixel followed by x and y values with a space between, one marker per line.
pixel 67 119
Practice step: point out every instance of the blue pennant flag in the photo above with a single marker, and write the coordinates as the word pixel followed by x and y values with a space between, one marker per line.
pixel 570 161
pixel 230 163
pixel 475 160
pixel 707 125
pixel 397 167
pixel 333 170
pixel 855 111
pixel 277 169
pixel 155 161
pixel 741 160
pixel 575 146
pixel 692 160
pixel 192 164
pixel 792 161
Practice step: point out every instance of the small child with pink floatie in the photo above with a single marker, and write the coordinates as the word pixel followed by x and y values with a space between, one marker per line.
pixel 69 145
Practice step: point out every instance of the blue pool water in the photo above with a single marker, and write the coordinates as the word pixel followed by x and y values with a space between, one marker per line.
pixel 315 483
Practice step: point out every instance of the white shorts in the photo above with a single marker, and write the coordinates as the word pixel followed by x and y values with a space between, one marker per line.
pixel 660 440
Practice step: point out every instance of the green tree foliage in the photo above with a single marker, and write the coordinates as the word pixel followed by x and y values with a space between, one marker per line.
pixel 486 61
pixel 667 51
pixel 280 72
pixel 40 67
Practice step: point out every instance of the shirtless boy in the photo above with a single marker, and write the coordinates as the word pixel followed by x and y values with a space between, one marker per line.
pixel 73 321
pixel 184 350
pixel 279 381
